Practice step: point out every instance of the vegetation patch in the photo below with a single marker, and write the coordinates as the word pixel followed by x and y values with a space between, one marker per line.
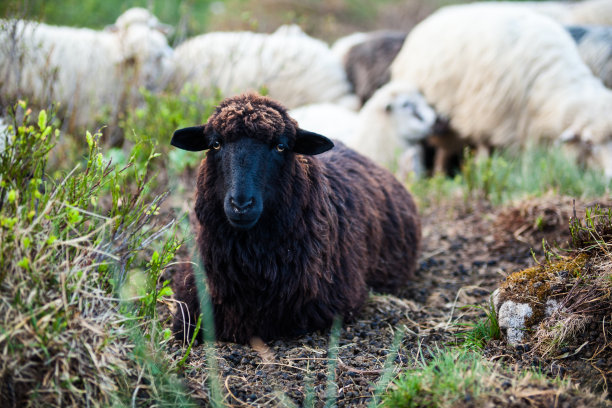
pixel 588 300
pixel 506 176
pixel 461 378
pixel 535 285
pixel 80 258
pixel 570 297
pixel 479 333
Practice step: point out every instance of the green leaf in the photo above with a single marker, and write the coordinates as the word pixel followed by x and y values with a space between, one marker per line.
pixel 42 120
pixel 167 334
pixel 89 138
pixel 165 291
pixel 46 132
pixel 74 216
pixel 24 263
pixel 155 257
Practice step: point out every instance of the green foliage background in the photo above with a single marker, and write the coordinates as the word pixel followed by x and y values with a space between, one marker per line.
pixel 100 13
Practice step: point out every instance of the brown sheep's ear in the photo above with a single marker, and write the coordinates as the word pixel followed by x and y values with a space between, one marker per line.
pixel 191 138
pixel 311 143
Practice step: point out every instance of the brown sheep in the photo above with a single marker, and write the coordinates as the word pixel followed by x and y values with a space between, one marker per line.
pixel 290 237
pixel 367 63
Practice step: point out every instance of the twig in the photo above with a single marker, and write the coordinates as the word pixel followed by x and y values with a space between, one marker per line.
pixel 358 371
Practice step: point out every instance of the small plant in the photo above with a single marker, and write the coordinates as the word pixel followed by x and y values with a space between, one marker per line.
pixel 449 377
pixel 388 370
pixel 332 362
pixel 161 115
pixel 206 324
pixel 431 191
pixel 586 301
pixel 460 377
pixel 505 176
pixel 487 177
pixel 479 333
pixel 594 232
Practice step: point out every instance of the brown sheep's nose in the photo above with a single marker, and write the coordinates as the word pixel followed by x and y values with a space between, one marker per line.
pixel 241 206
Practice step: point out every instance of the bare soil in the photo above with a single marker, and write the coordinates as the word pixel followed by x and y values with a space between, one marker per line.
pixel 467 251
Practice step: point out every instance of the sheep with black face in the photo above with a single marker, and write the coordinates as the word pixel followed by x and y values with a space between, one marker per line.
pixel 290 234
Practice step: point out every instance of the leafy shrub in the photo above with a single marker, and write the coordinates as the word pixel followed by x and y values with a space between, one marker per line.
pixel 67 245
pixel 158 118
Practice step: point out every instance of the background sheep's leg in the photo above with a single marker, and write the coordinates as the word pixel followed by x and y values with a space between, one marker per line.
pixel 446 144
pixel 483 151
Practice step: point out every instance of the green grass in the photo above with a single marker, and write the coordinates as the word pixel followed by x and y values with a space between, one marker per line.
pixel 188 17
pixel 477 334
pixel 157 119
pixel 506 176
pixel 389 370
pixel 461 377
pixel 448 377
pixel 216 397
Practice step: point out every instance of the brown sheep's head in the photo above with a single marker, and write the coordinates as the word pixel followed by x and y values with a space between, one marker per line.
pixel 251 140
pixel 588 149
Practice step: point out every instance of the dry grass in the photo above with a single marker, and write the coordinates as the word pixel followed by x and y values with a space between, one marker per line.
pixel 588 301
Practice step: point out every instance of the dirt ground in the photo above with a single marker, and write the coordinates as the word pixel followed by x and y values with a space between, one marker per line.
pixel 467 251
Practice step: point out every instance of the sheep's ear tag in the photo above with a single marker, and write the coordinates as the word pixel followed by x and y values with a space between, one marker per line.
pixel 311 143
pixel 191 138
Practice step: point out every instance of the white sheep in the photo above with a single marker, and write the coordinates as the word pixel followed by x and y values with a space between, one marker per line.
pixel 329 119
pixel 595 47
pixel 392 122
pixel 505 76
pixel 586 12
pixel 140 16
pixel 86 71
pixel 291 66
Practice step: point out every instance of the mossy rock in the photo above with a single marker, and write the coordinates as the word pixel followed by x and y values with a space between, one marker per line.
pixel 530 295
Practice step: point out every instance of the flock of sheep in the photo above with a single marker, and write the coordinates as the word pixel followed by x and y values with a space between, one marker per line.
pixel 498 75
pixel 489 75
pixel 294 227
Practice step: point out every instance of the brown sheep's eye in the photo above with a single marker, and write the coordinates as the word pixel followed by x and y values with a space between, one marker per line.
pixel 216 145
pixel 280 147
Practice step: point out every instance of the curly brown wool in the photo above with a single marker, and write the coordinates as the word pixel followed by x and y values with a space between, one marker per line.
pixel 250 113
